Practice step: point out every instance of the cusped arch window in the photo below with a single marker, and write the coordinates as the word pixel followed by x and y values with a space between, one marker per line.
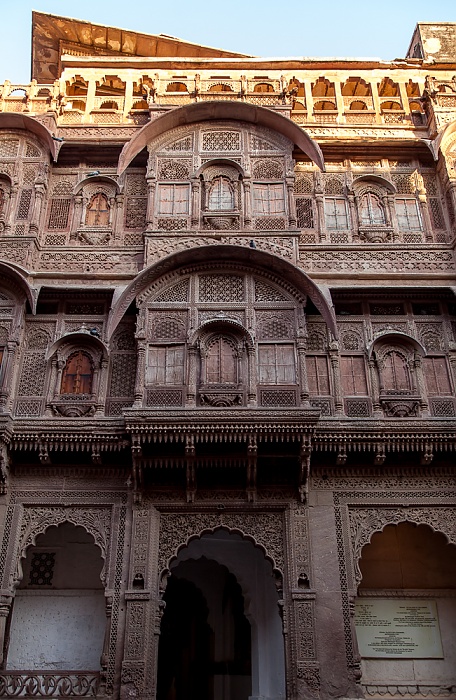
pixel 221 195
pixel 372 212
pixel 395 372
pixel 97 214
pixel 77 375
pixel 221 361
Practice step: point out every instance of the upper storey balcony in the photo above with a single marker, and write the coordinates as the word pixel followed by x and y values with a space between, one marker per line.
pixel 96 96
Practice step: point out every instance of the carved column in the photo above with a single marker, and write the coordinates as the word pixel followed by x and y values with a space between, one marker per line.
pixel 452 359
pixel 191 375
pixel 77 216
pixel 391 209
pixel 302 368
pixel 140 373
pixel 5 607
pixel 151 185
pixel 319 199
pixel 118 211
pixel 405 100
pixel 90 100
pixel 252 370
pixel 309 100
pixel 105 653
pixel 387 208
pixel 375 100
pixel 40 193
pixel 196 202
pixel 102 387
pixel 426 217
pixel 291 202
pixel 128 100
pixel 339 102
pixel 334 360
pixel 8 364
pixel 353 215
pixel 421 387
pixel 247 203
pixel 377 409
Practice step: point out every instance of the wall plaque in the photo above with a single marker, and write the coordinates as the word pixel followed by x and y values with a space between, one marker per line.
pixel 398 628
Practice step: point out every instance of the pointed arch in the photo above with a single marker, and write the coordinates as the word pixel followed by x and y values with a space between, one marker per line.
pixel 13 120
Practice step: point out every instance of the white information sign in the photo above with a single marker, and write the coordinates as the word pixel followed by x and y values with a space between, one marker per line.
pixel 398 628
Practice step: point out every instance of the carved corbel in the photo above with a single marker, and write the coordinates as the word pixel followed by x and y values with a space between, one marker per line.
pixel 380 455
pixel 427 456
pixel 44 453
pixel 342 456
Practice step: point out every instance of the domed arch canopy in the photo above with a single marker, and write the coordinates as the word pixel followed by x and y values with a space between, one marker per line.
pixel 13 120
pixel 18 276
pixel 82 337
pixel 99 179
pixel 218 110
pixel 377 180
pixel 396 337
pixel 443 139
pixel 258 260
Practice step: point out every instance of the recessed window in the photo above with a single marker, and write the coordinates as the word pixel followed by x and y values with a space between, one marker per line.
pixel 408 214
pixel 276 364
pixel 268 199
pixel 165 365
pixel 98 210
pixel 372 212
pixel 173 199
pixel 221 195
pixel 336 216
pixel 78 374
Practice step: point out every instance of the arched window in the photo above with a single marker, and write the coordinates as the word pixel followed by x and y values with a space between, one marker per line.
pixel 221 195
pixel 395 372
pixel 221 362
pixel 98 210
pixel 77 376
pixel 372 211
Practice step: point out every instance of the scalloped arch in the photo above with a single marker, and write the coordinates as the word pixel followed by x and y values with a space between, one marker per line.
pixel 212 530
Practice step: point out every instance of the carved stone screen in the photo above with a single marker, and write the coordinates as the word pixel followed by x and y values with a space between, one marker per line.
pixel 398 628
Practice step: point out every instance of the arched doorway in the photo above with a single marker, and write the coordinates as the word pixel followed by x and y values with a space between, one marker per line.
pixel 406 610
pixel 221 633
pixel 58 615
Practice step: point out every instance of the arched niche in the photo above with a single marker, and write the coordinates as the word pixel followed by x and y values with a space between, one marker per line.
pixel 58 619
pixel 407 597
pixel 255 576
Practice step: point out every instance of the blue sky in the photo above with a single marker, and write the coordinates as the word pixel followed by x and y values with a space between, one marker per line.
pixel 356 28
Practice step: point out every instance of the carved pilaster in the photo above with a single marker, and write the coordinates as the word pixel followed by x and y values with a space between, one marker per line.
pixel 334 360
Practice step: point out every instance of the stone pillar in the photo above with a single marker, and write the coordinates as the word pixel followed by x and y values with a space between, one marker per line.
pixel 7 374
pixel 375 100
pixel 118 208
pixel 191 375
pixel 140 373
pixel 5 607
pixel 291 202
pixel 405 101
pixel 247 203
pixel 150 216
pixel 425 215
pixel 102 386
pixel 90 100
pixel 196 202
pixel 309 100
pixel 128 100
pixel 335 369
pixel 353 215
pixel 391 208
pixel 252 373
pixel 319 199
pixel 377 409
pixel 339 102
pixel 302 369
pixel 420 384
pixel 77 216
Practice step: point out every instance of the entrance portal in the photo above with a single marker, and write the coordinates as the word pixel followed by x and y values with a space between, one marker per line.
pixel 221 633
pixel 204 648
